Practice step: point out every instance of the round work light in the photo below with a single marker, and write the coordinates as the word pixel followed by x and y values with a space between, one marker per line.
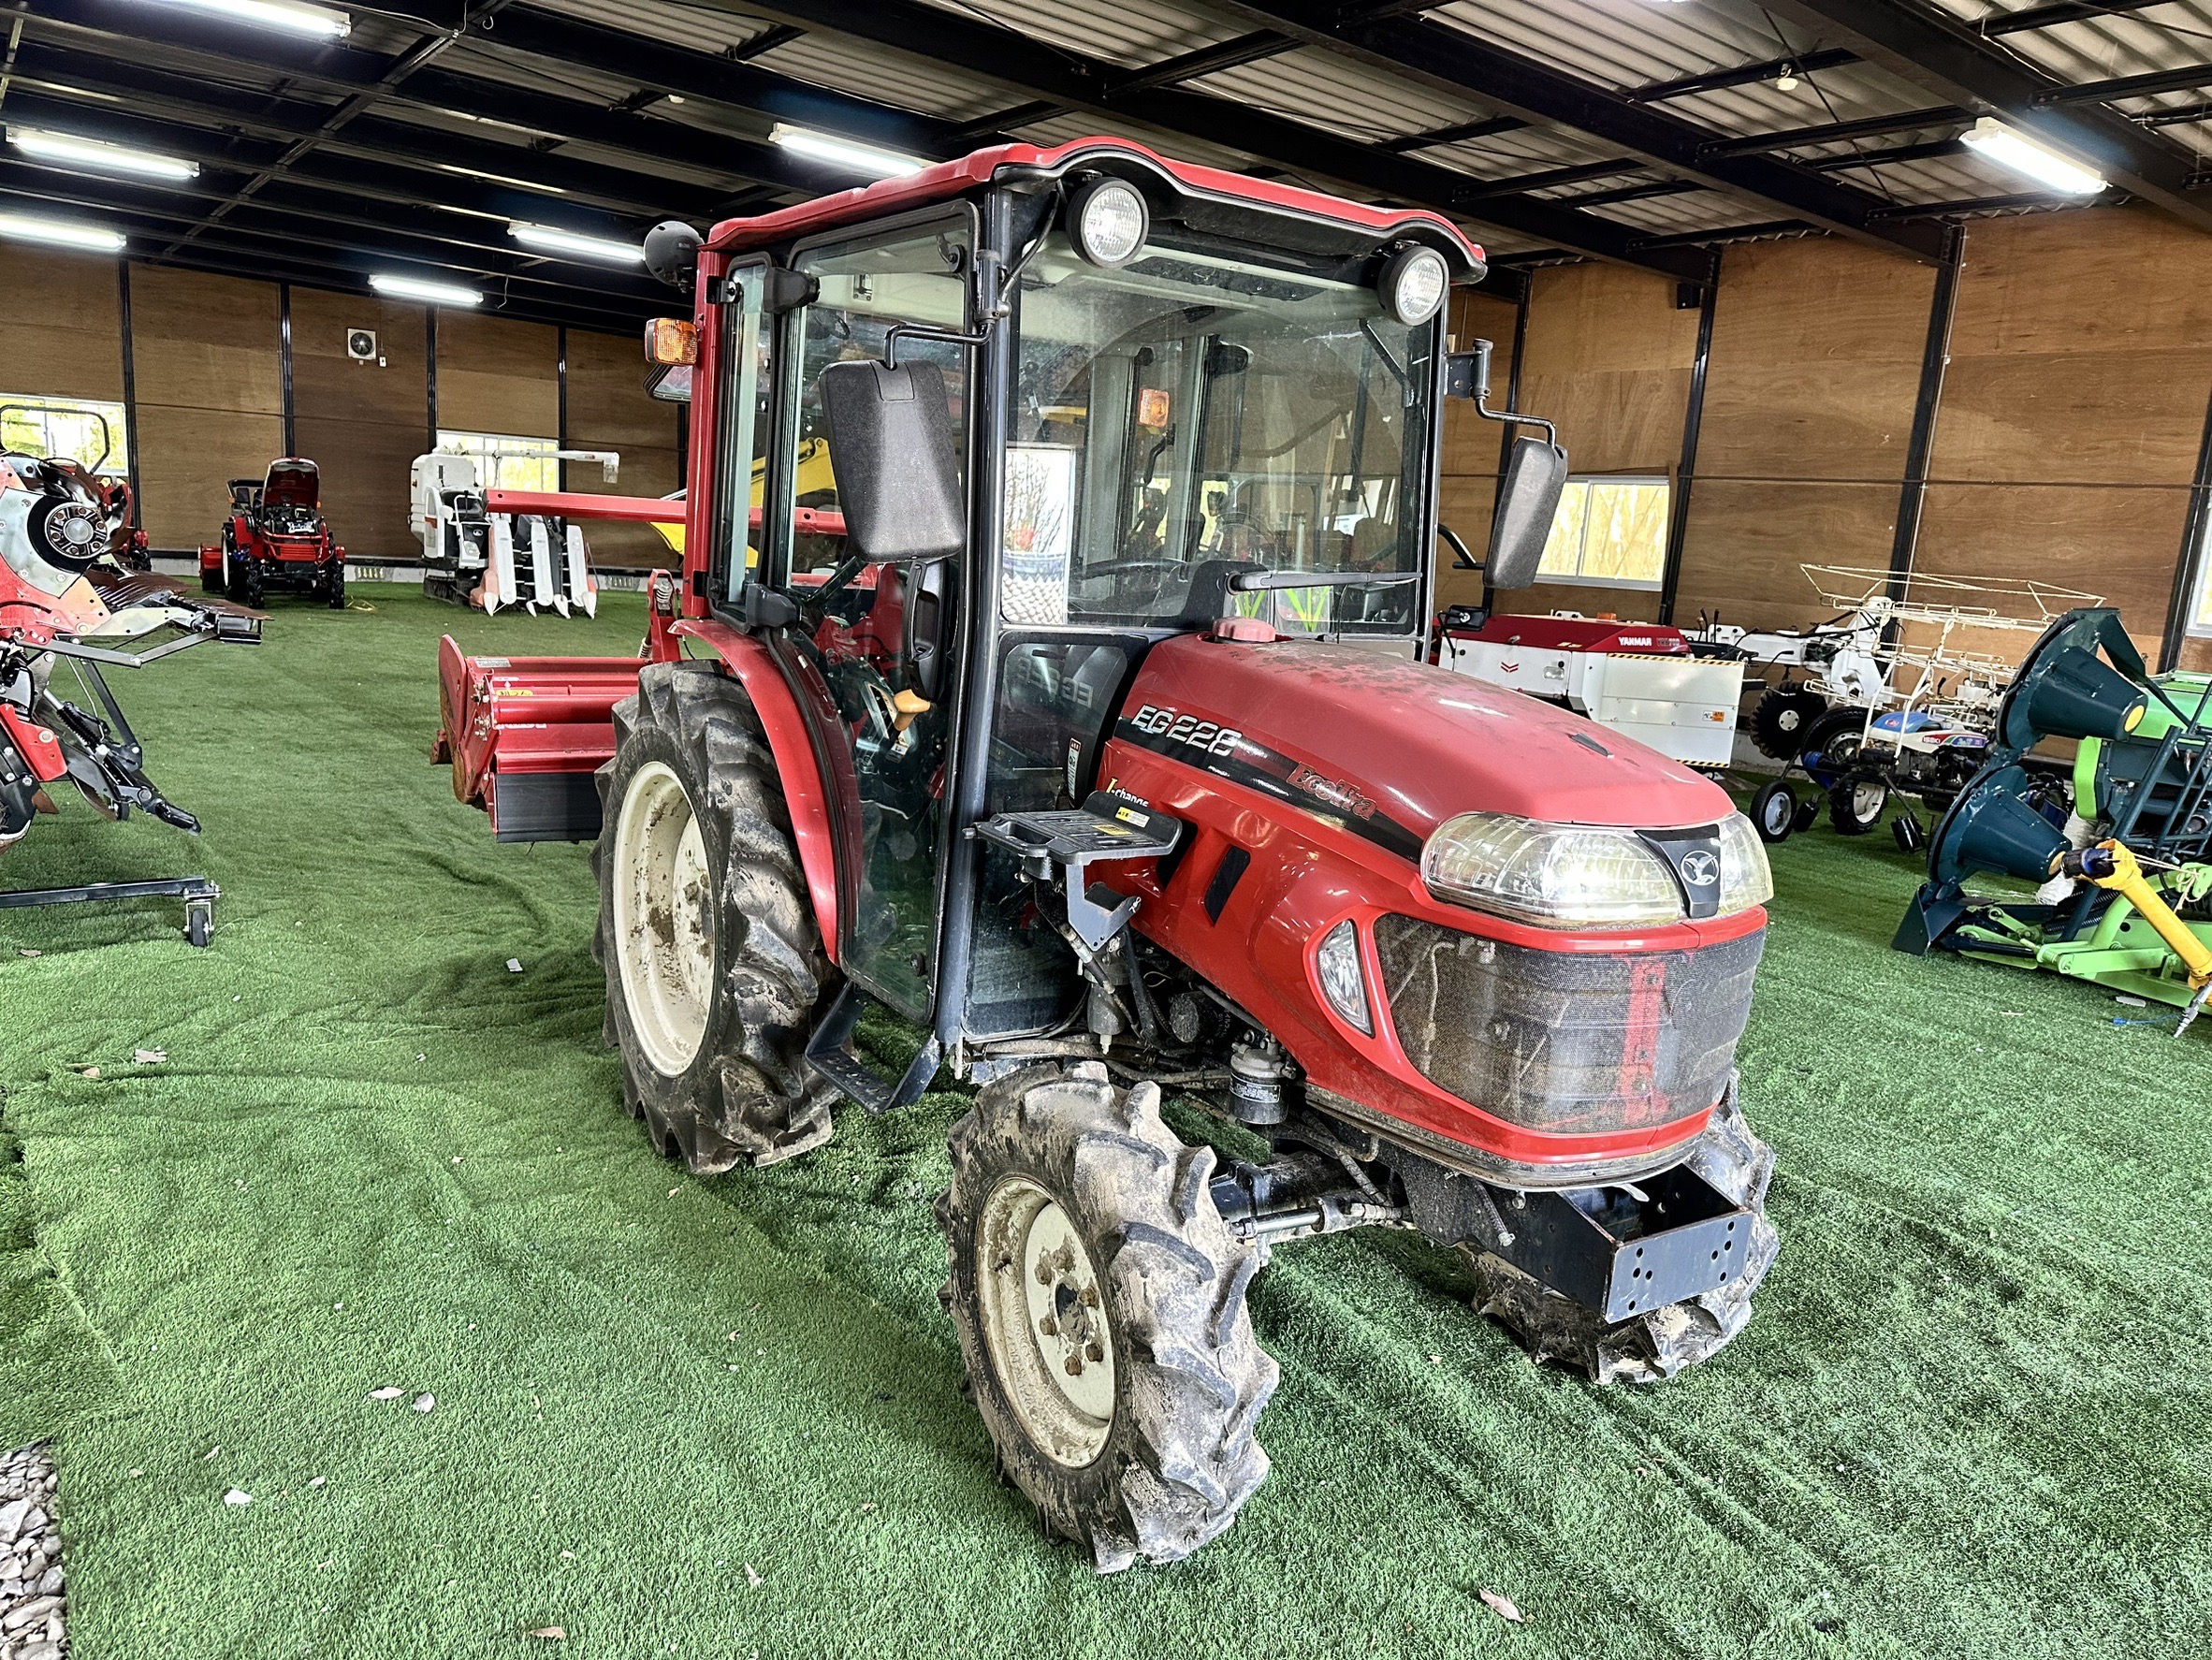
pixel 1414 285
pixel 1108 222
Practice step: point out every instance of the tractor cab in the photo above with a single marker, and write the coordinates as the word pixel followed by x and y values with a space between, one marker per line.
pixel 1044 668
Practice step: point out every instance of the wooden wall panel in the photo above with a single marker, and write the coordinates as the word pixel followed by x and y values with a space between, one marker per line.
pixel 497 375
pixel 608 409
pixel 2121 544
pixel 210 395
pixel 1815 363
pixel 1770 528
pixel 362 423
pixel 69 344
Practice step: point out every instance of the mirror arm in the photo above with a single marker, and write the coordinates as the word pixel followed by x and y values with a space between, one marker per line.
pixel 1461 558
pixel 921 331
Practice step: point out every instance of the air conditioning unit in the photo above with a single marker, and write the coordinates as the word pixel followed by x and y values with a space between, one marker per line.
pixel 360 344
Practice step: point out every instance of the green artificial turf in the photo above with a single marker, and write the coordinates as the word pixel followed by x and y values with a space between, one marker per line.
pixel 723 1418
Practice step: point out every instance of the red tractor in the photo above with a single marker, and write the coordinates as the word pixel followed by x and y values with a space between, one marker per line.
pixel 276 537
pixel 1123 778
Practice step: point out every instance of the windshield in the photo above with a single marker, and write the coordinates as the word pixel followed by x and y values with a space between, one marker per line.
pixel 1193 415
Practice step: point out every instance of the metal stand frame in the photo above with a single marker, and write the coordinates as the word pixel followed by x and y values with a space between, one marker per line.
pixel 198 893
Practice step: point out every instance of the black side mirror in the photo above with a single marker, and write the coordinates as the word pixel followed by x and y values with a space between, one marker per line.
pixel 1536 473
pixel 889 435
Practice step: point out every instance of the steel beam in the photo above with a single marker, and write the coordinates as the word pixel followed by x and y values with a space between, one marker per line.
pixel 1454 60
pixel 1947 60
pixel 2185 79
pixel 1082 83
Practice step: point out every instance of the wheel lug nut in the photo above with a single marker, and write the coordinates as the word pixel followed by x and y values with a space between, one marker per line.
pixel 1048 1327
pixel 1044 1274
pixel 1094 1352
pixel 1090 1296
pixel 1075 1365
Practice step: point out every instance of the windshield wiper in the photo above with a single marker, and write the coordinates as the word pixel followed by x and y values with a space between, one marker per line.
pixel 1254 581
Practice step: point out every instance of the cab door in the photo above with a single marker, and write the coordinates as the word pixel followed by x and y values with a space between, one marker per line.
pixel 884 639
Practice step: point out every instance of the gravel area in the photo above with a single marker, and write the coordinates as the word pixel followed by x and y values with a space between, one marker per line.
pixel 31 1596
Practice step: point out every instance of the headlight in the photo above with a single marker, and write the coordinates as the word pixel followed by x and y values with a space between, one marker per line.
pixel 1414 285
pixel 1342 982
pixel 1746 878
pixel 1108 222
pixel 1577 875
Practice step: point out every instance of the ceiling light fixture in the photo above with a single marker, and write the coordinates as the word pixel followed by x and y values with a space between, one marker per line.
pixel 421 288
pixel 276 14
pixel 61 233
pixel 72 152
pixel 548 239
pixel 1787 80
pixel 1991 140
pixel 844 153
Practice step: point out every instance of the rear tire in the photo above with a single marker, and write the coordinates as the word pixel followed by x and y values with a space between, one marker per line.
pixel 715 969
pixel 1780 719
pixel 1083 1240
pixel 1654 1345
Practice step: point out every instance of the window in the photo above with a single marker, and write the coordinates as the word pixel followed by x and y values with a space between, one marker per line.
pixel 72 428
pixel 1610 531
pixel 2200 606
pixel 506 462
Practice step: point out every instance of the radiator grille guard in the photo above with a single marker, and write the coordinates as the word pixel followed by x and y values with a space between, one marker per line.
pixel 1567 1043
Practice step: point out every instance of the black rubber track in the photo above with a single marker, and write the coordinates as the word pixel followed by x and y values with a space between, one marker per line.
pixel 1181 1456
pixel 748 1095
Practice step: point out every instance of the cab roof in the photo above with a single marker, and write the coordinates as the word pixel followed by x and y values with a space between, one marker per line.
pixel 947 180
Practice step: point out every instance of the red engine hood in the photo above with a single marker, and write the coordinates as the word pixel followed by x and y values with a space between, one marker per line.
pixel 1390 743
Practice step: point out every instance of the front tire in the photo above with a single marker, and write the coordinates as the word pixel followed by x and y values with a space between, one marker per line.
pixel 1780 719
pixel 715 969
pixel 1774 811
pixel 1100 1301
pixel 1648 1347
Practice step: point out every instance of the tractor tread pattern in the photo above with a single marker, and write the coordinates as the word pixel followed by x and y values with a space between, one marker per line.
pixel 749 1096
pixel 1657 1345
pixel 1181 1458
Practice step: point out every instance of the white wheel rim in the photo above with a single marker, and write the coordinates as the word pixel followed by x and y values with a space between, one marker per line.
pixel 1044 1322
pixel 1868 799
pixel 663 919
pixel 1780 811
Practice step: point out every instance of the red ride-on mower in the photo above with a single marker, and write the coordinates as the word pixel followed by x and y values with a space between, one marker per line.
pixel 1124 779
pixel 276 537
pixel 68 602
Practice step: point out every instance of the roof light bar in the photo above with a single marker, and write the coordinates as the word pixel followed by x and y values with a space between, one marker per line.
pixel 423 289
pixel 277 14
pixel 61 233
pixel 1991 140
pixel 548 239
pixel 67 149
pixel 845 152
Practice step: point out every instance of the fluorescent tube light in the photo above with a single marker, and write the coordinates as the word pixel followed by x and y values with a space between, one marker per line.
pixel 548 239
pixel 61 233
pixel 1992 139
pixel 71 150
pixel 421 288
pixel 844 153
pixel 276 14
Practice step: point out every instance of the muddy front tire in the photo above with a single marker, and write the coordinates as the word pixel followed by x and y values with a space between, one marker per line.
pixel 715 969
pixel 1648 1347
pixel 1100 1301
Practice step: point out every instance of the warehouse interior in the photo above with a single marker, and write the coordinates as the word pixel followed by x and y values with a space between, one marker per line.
pixel 363 1290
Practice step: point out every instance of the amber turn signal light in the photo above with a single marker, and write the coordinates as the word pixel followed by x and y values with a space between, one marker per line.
pixel 672 343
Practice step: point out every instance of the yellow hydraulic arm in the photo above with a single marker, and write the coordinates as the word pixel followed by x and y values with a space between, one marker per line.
pixel 2112 865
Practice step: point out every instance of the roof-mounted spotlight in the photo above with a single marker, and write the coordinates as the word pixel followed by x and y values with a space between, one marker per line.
pixel 276 14
pixel 68 151
pixel 1108 222
pixel 845 152
pixel 1991 140
pixel 423 289
pixel 1413 284
pixel 61 233
pixel 571 244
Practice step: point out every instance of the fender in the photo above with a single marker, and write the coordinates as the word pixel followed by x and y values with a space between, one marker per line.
pixel 806 793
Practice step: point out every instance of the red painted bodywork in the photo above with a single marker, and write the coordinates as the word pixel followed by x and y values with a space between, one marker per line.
pixel 1580 633
pixel 1413 743
pixel 291 481
pixel 529 715
pixel 40 749
pixel 1451 748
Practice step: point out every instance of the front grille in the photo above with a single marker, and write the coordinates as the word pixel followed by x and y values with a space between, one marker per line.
pixel 1567 1043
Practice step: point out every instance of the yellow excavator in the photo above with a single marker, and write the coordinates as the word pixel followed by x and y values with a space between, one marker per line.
pixel 817 485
